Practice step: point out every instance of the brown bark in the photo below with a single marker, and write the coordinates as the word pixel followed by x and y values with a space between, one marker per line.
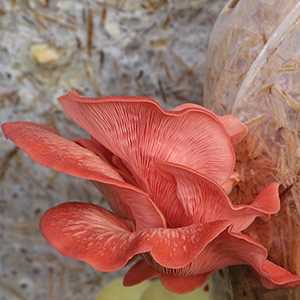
pixel 239 283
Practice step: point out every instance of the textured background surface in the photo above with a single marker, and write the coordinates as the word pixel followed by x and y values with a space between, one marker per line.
pixel 100 47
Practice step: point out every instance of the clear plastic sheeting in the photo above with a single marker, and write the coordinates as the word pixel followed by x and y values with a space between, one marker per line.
pixel 98 47
pixel 253 71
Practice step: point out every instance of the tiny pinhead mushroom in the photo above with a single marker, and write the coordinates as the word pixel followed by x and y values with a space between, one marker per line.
pixel 165 175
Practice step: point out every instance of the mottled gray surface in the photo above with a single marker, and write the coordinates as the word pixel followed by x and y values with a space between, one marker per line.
pixel 100 47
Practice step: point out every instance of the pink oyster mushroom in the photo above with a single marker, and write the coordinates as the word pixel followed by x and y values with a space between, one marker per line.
pixel 166 176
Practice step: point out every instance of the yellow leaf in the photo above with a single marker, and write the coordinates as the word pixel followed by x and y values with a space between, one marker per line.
pixel 44 54
pixel 157 292
pixel 116 291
